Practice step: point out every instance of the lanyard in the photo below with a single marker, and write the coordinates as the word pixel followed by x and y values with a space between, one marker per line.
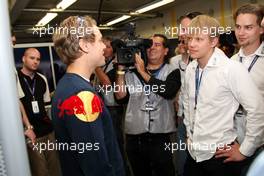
pixel 156 74
pixel 31 90
pixel 198 80
pixel 252 63
pixel 150 98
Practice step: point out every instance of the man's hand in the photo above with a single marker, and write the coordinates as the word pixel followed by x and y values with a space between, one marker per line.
pixel 120 81
pixel 139 64
pixel 31 135
pixel 141 68
pixel 230 152
pixel 103 78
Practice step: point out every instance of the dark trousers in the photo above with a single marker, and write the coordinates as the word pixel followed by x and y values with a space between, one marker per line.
pixel 216 167
pixel 117 114
pixel 147 155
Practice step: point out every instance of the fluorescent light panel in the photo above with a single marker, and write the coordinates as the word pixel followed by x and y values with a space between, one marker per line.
pixel 65 4
pixel 46 19
pixel 152 6
pixel 50 16
pixel 143 9
pixel 117 20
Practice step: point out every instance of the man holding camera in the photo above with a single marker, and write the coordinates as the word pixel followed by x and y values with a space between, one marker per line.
pixel 149 118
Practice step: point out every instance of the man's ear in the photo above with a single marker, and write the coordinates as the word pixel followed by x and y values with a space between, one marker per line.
pixel 214 41
pixel 262 30
pixel 23 59
pixel 84 45
pixel 166 51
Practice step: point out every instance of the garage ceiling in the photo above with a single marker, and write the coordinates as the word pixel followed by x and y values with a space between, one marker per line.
pixel 25 14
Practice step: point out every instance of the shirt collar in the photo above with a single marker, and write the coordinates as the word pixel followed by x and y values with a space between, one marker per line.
pixel 259 51
pixel 214 60
pixel 88 80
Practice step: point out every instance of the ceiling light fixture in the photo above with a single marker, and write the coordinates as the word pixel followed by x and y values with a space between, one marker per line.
pixel 65 4
pixel 46 19
pixel 152 6
pixel 50 16
pixel 142 9
pixel 117 20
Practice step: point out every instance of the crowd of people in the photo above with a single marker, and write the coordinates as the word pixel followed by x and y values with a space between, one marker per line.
pixel 213 102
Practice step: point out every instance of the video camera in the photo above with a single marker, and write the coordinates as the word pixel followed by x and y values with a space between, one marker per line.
pixel 127 48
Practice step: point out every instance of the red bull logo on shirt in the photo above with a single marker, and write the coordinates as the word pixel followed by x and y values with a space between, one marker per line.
pixel 86 106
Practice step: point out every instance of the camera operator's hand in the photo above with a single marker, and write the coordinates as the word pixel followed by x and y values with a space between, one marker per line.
pixel 141 68
pixel 139 64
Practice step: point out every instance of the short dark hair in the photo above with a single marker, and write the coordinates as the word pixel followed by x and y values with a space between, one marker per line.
pixel 255 9
pixel 165 40
pixel 110 39
pixel 107 38
pixel 190 15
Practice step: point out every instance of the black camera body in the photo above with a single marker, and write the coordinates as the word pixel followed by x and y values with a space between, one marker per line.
pixel 126 50
pixel 128 47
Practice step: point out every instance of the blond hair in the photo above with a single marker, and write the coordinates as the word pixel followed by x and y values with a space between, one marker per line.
pixel 66 38
pixel 204 24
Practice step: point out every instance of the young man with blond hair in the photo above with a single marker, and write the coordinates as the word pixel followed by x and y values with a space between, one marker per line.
pixel 213 89
pixel 82 122
pixel 181 61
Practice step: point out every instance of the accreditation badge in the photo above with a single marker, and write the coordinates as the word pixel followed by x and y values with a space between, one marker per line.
pixel 35 107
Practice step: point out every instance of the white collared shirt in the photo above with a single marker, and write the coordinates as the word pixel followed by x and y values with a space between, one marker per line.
pixel 225 84
pixel 257 71
pixel 257 74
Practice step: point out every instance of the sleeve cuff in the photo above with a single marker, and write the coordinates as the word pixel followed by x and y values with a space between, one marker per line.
pixel 247 148
pixel 179 113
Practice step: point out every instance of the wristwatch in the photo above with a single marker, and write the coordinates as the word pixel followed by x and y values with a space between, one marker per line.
pixel 119 72
pixel 29 127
